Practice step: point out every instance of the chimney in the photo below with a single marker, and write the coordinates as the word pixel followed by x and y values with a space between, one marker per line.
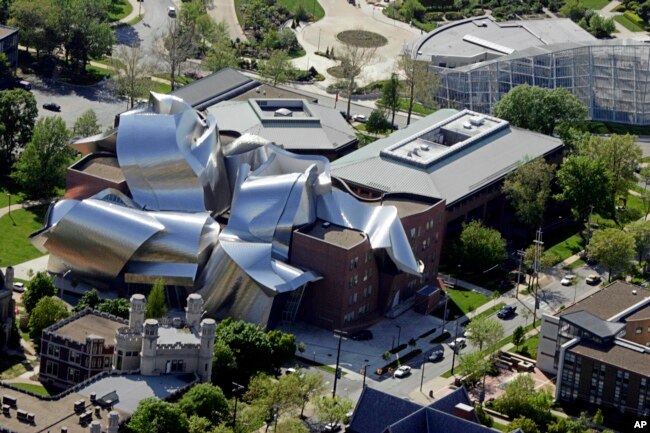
pixel 465 412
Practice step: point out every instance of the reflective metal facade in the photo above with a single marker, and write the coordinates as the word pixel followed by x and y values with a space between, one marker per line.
pixel 176 170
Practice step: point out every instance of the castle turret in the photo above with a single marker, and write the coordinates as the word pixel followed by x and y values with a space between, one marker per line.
pixel 149 343
pixel 113 422
pixel 194 310
pixel 9 278
pixel 136 311
pixel 208 332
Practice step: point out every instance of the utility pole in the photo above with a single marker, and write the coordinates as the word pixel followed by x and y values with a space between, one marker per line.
pixel 338 358
pixel 521 254
pixel 424 362
pixel 591 209
pixel 536 268
pixel 453 358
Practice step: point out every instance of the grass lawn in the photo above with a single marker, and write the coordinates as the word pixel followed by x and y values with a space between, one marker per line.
pixel 417 107
pixel 625 22
pixel 311 6
pixel 36 389
pixel 490 311
pixel 11 366
pixel 575 264
pixel 568 247
pixel 4 198
pixel 529 348
pixel 464 301
pixel 160 87
pixel 15 247
pixel 180 79
pixel 119 9
pixel 505 428
pixel 594 4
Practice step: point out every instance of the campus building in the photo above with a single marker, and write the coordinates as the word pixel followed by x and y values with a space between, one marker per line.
pixel 459 158
pixel 7 306
pixel 599 348
pixel 609 76
pixel 91 342
pixel 9 44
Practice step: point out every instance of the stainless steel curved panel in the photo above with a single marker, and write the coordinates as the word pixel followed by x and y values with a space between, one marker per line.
pixel 104 142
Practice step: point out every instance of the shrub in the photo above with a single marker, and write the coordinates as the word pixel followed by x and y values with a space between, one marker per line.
pixel 433 16
pixel 377 122
pixel 634 18
pixel 454 16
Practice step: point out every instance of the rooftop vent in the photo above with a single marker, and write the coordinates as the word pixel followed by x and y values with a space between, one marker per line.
pixel 424 147
pixel 634 292
pixel 283 112
pixel 326 224
pixel 467 125
pixel 477 121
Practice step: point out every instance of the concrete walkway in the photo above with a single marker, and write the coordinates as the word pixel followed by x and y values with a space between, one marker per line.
pixel 224 10
pixel 138 9
pixel 24 205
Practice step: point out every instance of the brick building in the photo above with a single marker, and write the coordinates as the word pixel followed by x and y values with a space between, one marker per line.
pixel 360 286
pixel 600 350
pixel 9 44
pixel 94 173
pixel 459 157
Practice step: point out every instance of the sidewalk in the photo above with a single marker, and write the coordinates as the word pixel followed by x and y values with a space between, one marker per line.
pixel 138 9
pixel 24 205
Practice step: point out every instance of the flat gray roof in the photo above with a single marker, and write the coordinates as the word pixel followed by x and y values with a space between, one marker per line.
pixel 218 86
pixel 485 160
pixel 476 36
pixel 171 335
pixel 90 325
pixel 596 325
pixel 323 129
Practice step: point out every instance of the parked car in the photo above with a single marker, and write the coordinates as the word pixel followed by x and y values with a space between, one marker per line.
pixel 331 427
pixel 360 118
pixel 593 279
pixel 568 280
pixel 52 106
pixel 437 354
pixel 458 344
pixel 25 85
pixel 19 287
pixel 403 371
pixel 362 335
pixel 506 311
pixel 171 11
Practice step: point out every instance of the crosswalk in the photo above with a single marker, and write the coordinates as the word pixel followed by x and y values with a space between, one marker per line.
pixel 543 307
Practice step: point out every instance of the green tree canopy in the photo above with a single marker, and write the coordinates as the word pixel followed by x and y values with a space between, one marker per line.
pixel 283 347
pixel 377 121
pixel 221 53
pixel 132 78
pixel 198 424
pixel 48 311
pixel 485 332
pixel 17 116
pixel 418 81
pixel 540 109
pixel 310 385
pixel 526 425
pixel 90 299
pixel 116 307
pixel 86 124
pixel 332 410
pixel 640 230
pixel 481 247
pixel 521 399
pixel 207 401
pixel 528 188
pixel 292 425
pixel 573 9
pixel 281 395
pixel 278 69
pixel 613 248
pixel 474 365
pixel 585 182
pixel 156 416
pixel 518 336
pixel 37 288
pixel 390 95
pixel 156 306
pixel 40 170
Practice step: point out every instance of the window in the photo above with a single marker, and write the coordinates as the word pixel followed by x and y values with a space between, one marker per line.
pixel 73 374
pixel 107 362
pixel 354 263
pixel 352 299
pixel 413 233
pixel 74 357
pixel 363 309
pixel 638 330
pixel 52 368
pixel 53 350
pixel 426 243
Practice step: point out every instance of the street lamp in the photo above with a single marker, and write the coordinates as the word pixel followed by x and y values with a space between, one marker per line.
pixel 236 391
pixel 365 369
pixel 399 333
pixel 340 334
pixel 424 362
pixel 453 359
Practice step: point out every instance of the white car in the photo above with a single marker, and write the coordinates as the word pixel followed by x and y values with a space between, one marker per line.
pixel 403 371
pixel 568 280
pixel 171 11
pixel 458 344
pixel 19 287
pixel 360 118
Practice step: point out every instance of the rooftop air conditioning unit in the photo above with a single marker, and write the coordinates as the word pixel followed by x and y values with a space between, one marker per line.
pixel 477 121
pixel 467 125
pixel 424 147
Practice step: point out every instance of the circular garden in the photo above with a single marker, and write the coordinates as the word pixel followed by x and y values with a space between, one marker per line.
pixel 362 38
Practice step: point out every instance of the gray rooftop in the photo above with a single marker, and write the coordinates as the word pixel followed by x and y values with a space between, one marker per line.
pixel 295 124
pixel 484 36
pixel 462 163
pixel 132 388
pixel 594 324
pixel 219 86
pixel 171 335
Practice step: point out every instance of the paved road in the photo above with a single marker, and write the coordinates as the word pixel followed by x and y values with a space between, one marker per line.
pixel 224 10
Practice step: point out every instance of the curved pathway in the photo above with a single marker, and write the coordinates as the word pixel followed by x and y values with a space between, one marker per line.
pixel 224 10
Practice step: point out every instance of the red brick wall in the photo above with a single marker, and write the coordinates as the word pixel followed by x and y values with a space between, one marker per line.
pixel 631 328
pixel 79 185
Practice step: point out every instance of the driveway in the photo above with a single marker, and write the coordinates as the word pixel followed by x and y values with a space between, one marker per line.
pixel 224 10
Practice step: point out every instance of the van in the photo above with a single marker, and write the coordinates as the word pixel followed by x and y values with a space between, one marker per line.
pixel 25 85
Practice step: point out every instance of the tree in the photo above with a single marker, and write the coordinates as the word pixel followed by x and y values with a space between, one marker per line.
pixel 175 47
pixel 292 426
pixel 283 347
pixel 521 399
pixel 485 332
pixel 518 336
pixel 599 26
pixel 40 170
pixel 526 425
pixel 613 248
pixel 540 109
pixel 528 188
pixel 390 95
pixel 567 425
pixel 17 116
pixel 419 82
pixel 573 9
pixel 377 121
pixel 224 365
pixel 86 124
pixel 221 54
pixel 198 424
pixel 156 306
pixel 37 288
pixel 35 19
pixel 332 410
pixel 89 299
pixel 6 71
pixel 585 182
pixel 353 59
pixel 621 156
pixel 640 231
pixel 277 397
pixel 207 401
pixel 156 416
pixel 278 69
pixel 481 247
pixel 474 366
pixel 47 312
pixel 310 385
pixel 116 307
pixel 132 78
